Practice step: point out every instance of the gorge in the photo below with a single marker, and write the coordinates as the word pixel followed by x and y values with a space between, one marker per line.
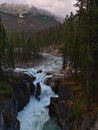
pixel 35 113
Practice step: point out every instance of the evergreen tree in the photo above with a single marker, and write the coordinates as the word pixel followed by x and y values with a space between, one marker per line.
pixel 93 21
pixel 2 45
pixel 68 42
pixel 10 53
pixel 80 45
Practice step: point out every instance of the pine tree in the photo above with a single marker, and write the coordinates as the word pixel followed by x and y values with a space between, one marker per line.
pixel 10 53
pixel 68 42
pixel 93 19
pixel 88 22
pixel 2 45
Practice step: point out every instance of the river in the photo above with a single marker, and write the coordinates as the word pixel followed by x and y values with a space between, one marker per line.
pixel 35 116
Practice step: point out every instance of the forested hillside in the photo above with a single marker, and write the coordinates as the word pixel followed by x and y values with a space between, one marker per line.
pixel 80 48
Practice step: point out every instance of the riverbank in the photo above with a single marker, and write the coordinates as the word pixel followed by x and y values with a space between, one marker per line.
pixel 15 93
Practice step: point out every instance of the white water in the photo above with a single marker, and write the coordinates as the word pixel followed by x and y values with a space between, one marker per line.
pixel 35 116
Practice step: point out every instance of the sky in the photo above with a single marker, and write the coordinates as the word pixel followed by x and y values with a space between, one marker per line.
pixel 57 7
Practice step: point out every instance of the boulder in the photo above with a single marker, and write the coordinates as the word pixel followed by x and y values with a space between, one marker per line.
pixel 39 71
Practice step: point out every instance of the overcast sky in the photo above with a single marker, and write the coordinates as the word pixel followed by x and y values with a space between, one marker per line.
pixel 58 7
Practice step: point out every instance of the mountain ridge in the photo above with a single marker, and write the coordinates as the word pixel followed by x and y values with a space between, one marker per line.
pixel 26 18
pixel 16 8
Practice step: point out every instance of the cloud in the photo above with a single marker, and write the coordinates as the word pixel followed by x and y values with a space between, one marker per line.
pixel 58 7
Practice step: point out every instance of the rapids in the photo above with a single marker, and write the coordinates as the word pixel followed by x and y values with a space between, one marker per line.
pixel 35 116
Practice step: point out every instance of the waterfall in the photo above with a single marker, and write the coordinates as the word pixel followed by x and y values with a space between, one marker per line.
pixel 35 116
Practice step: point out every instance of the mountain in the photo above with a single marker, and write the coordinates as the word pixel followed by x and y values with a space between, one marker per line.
pixel 26 18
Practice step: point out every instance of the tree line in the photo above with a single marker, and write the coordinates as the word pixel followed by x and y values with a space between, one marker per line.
pixel 80 46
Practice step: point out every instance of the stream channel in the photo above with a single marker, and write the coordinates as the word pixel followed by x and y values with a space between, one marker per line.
pixel 35 116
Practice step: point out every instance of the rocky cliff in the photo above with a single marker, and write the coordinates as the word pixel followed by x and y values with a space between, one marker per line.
pixel 23 89
pixel 69 108
pixel 13 101
pixel 8 115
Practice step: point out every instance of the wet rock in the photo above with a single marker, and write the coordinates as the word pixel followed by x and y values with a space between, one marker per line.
pixel 22 91
pixel 38 91
pixel 23 87
pixel 48 81
pixel 53 107
pixel 39 71
pixel 55 85
pixel 28 77
pixel 53 82
pixel 8 115
pixel 47 107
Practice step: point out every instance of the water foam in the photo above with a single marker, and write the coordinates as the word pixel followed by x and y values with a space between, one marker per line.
pixel 35 116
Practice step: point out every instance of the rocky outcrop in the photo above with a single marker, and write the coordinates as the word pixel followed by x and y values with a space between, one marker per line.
pixel 54 80
pixel 53 107
pixel 23 87
pixel 8 115
pixel 68 110
pixel 23 90
pixel 58 107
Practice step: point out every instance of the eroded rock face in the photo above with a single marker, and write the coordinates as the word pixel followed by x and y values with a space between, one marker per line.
pixel 61 109
pixel 58 109
pixel 8 115
pixel 22 90
pixel 53 107
pixel 54 82
pixel 9 107
pixel 64 93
